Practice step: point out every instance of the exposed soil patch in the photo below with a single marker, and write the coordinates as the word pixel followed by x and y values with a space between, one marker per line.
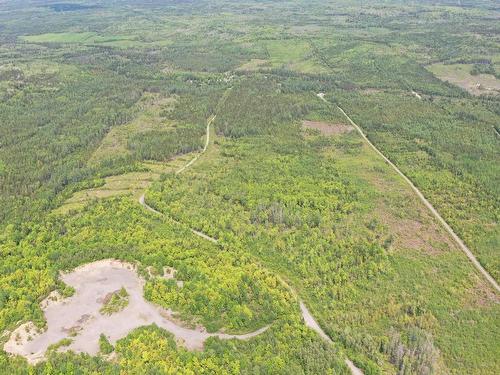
pixel 413 234
pixel 459 74
pixel 481 295
pixel 78 316
pixel 326 128
pixel 416 94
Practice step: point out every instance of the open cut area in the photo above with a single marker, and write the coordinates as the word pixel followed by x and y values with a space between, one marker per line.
pixel 460 75
pixel 79 320
pixel 250 187
pixel 326 128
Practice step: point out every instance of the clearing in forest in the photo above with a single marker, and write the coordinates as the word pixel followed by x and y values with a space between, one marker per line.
pixel 150 107
pixel 459 74
pixel 326 128
pixel 133 183
pixel 76 322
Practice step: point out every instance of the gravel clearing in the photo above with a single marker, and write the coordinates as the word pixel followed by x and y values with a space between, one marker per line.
pixel 79 319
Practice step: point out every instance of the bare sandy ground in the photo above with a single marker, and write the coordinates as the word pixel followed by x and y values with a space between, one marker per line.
pixel 79 319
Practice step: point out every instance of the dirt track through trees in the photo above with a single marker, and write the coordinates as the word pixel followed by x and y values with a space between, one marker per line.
pixel 306 315
pixel 142 198
pixel 436 214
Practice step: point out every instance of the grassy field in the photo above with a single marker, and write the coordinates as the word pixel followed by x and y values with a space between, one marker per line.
pixel 295 55
pixel 460 75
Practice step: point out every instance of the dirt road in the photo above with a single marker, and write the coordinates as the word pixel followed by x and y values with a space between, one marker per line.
pixel 311 323
pixel 436 214
pixel 306 315
pixel 142 198
pixel 207 141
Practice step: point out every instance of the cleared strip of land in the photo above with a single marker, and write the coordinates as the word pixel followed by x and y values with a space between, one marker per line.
pixel 436 214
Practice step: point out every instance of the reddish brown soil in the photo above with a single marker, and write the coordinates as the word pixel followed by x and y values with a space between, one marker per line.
pixel 326 128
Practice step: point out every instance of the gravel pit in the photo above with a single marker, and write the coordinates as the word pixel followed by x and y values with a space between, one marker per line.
pixel 78 317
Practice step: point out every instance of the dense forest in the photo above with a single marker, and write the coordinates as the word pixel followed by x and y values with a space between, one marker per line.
pixel 101 103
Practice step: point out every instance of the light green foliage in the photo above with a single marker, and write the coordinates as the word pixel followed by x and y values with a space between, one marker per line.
pixel 105 346
pixel 61 344
pixel 114 303
pixel 89 93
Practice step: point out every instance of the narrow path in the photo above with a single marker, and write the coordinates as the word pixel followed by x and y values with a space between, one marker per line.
pixel 436 214
pixel 306 315
pixel 142 198
pixel 313 324
pixel 310 322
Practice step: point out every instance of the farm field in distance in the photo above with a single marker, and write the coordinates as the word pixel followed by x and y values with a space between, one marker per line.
pixel 249 187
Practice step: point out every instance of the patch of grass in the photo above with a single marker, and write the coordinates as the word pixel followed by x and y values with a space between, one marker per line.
pixel 128 183
pixel 114 303
pixel 294 55
pixel 150 108
pixel 82 38
pixel 255 64
pixel 105 346
pixel 58 345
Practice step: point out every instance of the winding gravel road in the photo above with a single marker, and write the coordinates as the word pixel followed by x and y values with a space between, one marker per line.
pixel 142 198
pixel 436 214
pixel 306 315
